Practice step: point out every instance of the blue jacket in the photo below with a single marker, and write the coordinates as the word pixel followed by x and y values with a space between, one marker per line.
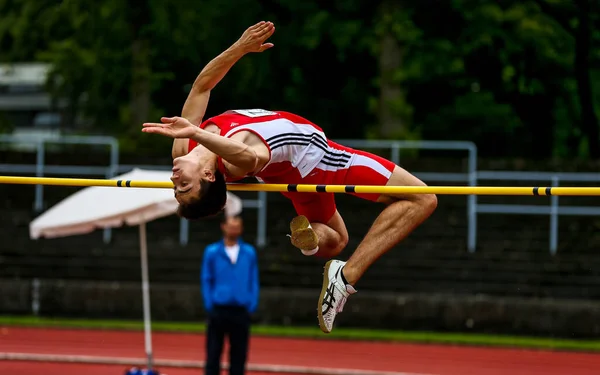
pixel 224 283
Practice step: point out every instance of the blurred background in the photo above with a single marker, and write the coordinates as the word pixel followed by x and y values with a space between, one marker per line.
pixel 459 92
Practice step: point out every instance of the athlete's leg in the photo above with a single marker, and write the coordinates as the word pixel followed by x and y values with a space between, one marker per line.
pixel 402 215
pixel 333 236
pixel 319 229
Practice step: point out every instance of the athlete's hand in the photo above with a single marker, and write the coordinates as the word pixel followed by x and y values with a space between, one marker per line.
pixel 174 127
pixel 253 39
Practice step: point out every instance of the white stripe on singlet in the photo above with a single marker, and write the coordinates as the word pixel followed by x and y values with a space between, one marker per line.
pixel 303 145
pixel 356 160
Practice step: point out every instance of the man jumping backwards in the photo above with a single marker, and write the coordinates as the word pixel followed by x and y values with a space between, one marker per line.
pixel 281 147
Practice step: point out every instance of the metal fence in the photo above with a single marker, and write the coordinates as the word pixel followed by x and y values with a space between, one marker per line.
pixel 553 210
pixel 471 177
pixel 113 168
pixel 40 168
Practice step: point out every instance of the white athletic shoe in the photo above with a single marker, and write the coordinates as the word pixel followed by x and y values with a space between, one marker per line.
pixel 333 294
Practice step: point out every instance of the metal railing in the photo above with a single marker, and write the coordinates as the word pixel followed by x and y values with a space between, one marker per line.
pixel 471 177
pixel 553 210
pixel 40 169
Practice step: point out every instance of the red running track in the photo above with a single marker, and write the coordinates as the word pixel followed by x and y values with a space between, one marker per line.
pixel 408 359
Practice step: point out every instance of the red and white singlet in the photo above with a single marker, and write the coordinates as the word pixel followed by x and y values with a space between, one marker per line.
pixel 296 145
pixel 300 153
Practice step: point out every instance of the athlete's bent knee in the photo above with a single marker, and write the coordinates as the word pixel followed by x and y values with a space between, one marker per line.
pixel 333 248
pixel 343 242
pixel 429 202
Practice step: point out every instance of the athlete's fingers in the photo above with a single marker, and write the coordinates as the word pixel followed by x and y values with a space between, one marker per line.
pixel 168 120
pixel 152 130
pixel 264 29
pixel 256 26
pixel 263 25
pixel 271 32
pixel 153 125
pixel 266 46
pixel 160 131
pixel 260 30
pixel 266 33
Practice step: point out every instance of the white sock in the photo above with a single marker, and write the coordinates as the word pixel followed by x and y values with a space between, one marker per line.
pixel 310 252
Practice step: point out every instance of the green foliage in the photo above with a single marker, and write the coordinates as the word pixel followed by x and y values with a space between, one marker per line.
pixel 502 74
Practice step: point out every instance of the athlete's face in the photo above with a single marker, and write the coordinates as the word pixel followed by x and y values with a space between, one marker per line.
pixel 186 178
pixel 188 171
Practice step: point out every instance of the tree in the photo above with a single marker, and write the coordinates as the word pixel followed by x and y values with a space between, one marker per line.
pixel 576 19
pixel 512 76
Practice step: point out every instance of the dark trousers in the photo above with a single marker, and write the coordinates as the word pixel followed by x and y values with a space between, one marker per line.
pixel 234 322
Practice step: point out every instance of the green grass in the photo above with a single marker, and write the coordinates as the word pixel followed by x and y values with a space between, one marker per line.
pixel 314 332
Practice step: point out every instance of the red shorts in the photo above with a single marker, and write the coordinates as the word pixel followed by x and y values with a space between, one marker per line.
pixel 362 168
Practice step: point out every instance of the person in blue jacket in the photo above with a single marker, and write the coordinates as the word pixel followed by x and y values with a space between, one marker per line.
pixel 230 289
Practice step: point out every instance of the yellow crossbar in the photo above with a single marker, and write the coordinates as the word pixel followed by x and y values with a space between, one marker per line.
pixel 365 189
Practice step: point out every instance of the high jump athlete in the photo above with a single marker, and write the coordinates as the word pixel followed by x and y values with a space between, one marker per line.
pixel 281 147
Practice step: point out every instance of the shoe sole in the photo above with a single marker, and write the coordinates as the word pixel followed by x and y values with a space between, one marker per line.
pixel 322 296
pixel 305 239
pixel 298 223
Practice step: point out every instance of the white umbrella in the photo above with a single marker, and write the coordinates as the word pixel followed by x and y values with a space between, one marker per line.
pixel 108 207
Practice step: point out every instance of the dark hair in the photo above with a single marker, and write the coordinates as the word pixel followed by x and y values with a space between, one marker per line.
pixel 213 196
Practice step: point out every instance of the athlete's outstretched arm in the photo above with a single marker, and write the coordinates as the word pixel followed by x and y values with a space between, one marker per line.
pixel 194 108
pixel 240 158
